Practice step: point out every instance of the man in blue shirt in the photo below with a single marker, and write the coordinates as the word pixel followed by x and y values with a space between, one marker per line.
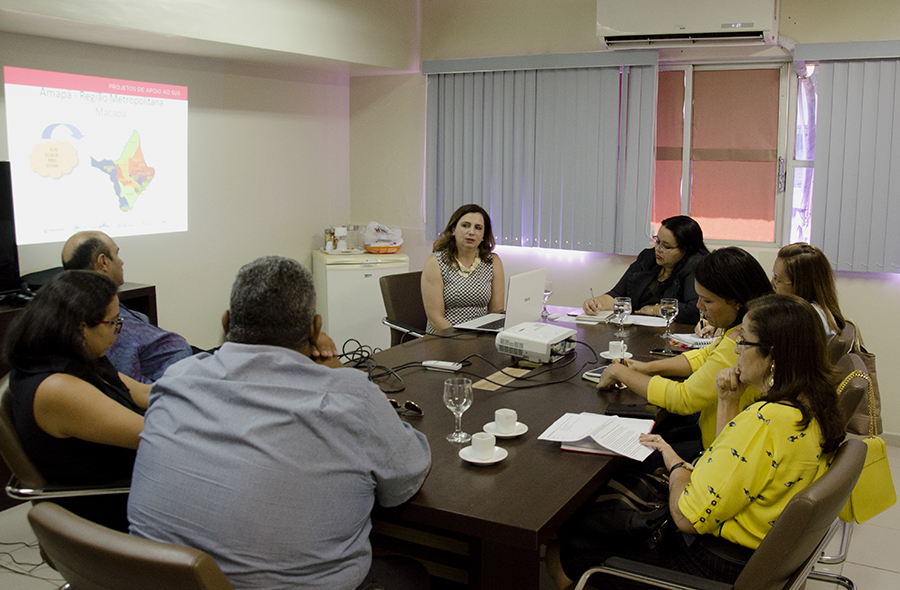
pixel 270 457
pixel 142 351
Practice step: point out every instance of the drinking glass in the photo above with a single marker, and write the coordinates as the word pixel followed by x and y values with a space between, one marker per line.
pixel 622 307
pixel 458 397
pixel 548 291
pixel 668 309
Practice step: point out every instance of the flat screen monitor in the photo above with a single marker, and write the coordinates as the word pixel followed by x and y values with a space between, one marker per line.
pixel 9 253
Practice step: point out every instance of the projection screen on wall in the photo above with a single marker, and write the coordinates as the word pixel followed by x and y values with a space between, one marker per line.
pixel 95 153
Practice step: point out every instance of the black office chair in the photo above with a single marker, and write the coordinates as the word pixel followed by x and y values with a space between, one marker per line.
pixel 786 556
pixel 26 482
pixel 93 557
pixel 402 294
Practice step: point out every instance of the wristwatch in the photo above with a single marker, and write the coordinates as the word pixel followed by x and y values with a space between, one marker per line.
pixel 684 464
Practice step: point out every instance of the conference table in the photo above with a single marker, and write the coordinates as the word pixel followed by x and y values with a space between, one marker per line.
pixel 498 516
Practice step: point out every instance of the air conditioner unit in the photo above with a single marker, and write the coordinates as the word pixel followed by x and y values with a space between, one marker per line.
pixel 642 24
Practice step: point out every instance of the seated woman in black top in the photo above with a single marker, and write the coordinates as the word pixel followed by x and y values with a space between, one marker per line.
pixel 665 271
pixel 79 420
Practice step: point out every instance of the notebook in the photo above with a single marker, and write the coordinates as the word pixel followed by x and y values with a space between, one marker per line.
pixel 524 302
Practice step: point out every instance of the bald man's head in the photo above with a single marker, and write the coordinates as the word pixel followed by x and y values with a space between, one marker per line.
pixel 94 250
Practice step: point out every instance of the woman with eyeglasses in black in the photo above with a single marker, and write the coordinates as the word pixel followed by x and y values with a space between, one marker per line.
pixel 663 271
pixel 78 418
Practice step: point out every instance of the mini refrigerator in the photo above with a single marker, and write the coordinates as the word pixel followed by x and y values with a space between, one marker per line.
pixel 349 295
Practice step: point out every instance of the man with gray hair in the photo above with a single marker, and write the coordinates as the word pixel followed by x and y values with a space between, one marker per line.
pixel 269 461
pixel 142 351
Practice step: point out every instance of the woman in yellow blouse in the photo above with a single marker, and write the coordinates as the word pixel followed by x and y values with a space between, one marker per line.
pixel 726 281
pixel 728 501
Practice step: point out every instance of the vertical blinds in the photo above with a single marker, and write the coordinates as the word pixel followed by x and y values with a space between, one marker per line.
pixel 856 195
pixel 560 157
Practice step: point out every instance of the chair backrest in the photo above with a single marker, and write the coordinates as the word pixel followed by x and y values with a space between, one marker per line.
pixel 402 294
pixel 11 445
pixel 790 548
pixel 840 344
pixel 93 557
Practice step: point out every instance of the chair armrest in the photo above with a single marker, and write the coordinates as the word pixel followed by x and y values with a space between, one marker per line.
pixel 16 491
pixel 403 328
pixel 651 574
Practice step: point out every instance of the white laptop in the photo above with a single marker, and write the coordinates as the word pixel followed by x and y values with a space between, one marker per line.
pixel 524 302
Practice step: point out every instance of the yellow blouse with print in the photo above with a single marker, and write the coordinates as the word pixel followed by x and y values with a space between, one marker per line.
pixel 697 393
pixel 741 484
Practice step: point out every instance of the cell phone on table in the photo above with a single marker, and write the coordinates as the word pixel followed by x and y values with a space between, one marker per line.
pixel 594 374
pixel 665 352
pixel 632 410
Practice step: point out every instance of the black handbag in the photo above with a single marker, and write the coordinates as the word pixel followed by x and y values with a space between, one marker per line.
pixel 630 511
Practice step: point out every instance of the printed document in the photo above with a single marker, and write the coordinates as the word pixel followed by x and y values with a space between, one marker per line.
pixel 604 435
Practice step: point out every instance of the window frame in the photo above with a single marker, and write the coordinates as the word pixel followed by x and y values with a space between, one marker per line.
pixel 785 141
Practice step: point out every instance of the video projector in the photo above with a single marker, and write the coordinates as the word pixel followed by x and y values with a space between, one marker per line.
pixel 536 342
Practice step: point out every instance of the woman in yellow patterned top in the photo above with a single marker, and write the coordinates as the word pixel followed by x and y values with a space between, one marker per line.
pixel 728 501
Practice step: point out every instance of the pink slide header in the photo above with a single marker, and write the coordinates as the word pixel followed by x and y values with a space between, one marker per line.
pixel 61 81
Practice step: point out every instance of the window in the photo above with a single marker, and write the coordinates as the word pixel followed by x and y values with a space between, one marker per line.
pixel 720 147
pixel 803 156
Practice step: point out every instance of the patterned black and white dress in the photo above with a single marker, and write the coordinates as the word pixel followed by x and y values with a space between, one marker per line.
pixel 465 297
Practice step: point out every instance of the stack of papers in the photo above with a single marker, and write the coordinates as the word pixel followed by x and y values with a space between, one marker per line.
pixel 593 319
pixel 631 320
pixel 603 435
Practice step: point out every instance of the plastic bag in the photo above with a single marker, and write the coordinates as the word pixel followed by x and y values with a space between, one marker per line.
pixel 376 234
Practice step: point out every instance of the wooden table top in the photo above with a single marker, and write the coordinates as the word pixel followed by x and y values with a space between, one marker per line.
pixel 523 499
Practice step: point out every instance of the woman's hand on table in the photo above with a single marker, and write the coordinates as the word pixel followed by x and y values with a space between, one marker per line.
pixel 592 306
pixel 658 443
pixel 639 366
pixel 652 310
pixel 704 329
pixel 608 378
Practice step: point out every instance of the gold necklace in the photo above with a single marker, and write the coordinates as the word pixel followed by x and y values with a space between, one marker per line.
pixel 465 272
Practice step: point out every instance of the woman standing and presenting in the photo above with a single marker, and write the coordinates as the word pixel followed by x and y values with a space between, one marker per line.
pixel 78 418
pixel 761 456
pixel 463 279
pixel 664 271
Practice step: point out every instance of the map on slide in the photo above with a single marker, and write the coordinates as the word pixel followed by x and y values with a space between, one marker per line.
pixel 130 174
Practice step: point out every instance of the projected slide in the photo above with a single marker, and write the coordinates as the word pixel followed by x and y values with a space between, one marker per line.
pixel 95 153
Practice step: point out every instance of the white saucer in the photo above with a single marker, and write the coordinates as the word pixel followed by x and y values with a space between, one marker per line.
pixel 499 454
pixel 605 354
pixel 491 428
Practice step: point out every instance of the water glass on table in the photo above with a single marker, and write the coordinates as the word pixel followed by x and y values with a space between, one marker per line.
pixel 548 291
pixel 621 308
pixel 668 309
pixel 458 397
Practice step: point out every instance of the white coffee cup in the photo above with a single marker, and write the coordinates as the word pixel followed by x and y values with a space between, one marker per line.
pixel 483 446
pixel 617 348
pixel 505 420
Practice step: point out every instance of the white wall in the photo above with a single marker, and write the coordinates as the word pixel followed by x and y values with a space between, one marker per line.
pixel 380 34
pixel 268 152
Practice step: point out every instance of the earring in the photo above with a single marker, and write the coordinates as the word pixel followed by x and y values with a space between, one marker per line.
pixel 771 380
